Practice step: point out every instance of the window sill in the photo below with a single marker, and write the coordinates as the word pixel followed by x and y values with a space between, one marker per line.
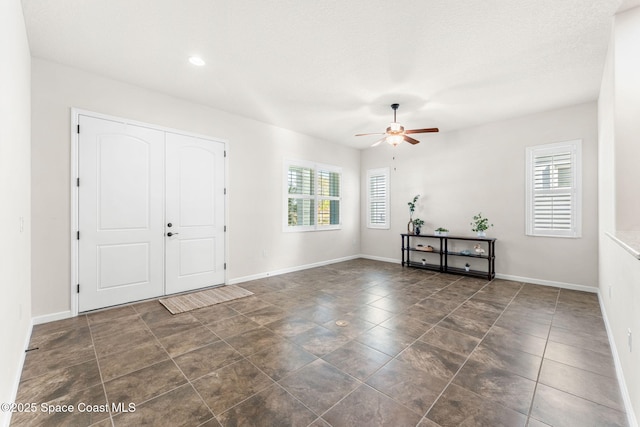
pixel 629 240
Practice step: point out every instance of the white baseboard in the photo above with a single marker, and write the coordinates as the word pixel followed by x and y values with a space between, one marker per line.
pixel 289 270
pixel 38 320
pixel 631 417
pixel 563 285
pixel 531 280
pixel 5 417
pixel 379 258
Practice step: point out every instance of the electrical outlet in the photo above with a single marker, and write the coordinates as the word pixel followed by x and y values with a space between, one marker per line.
pixel 630 339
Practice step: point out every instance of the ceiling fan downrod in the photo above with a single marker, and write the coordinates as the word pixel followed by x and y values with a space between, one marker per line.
pixel 395 108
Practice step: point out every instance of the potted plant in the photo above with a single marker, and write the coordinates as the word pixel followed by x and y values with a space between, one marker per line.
pixel 467 267
pixel 440 231
pixel 417 223
pixel 480 225
pixel 412 208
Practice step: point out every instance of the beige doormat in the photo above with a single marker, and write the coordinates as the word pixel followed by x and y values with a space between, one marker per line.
pixel 196 300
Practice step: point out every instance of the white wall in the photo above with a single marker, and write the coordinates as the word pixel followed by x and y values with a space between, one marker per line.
pixel 15 303
pixel 256 152
pixel 482 169
pixel 618 133
pixel 627 111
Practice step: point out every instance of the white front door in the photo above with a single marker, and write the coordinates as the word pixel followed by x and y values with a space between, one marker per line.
pixel 194 227
pixel 121 206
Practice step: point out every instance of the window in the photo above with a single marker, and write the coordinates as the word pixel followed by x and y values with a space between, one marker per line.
pixel 378 198
pixel 312 196
pixel 554 193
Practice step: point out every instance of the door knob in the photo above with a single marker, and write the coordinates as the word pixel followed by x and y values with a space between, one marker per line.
pixel 171 234
pixel 169 225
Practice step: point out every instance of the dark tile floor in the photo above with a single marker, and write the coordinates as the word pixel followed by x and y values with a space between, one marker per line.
pixel 419 349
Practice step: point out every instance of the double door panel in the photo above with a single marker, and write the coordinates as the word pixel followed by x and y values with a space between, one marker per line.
pixel 195 210
pixel 135 180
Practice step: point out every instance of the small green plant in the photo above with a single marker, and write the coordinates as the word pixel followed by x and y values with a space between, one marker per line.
pixel 480 223
pixel 412 206
pixel 418 223
pixel 441 230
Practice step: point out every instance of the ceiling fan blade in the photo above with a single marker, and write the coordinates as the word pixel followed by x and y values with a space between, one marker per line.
pixel 422 130
pixel 365 134
pixel 375 144
pixel 410 140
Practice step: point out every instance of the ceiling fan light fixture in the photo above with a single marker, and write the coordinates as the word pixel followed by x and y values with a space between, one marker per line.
pixel 395 140
pixel 396 133
pixel 395 127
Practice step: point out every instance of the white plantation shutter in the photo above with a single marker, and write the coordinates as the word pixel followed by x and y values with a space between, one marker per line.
pixel 553 189
pixel 312 196
pixel 378 198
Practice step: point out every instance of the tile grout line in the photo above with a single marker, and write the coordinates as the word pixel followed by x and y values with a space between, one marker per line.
pixel 182 372
pixel 318 416
pixel 424 417
pixel 392 358
pixel 95 352
pixel 546 343
pixel 570 366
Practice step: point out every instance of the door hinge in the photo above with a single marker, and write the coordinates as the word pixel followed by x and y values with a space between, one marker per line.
pixel 78 129
pixel 225 153
pixel 77 235
pixel 225 228
pixel 225 191
pixel 77 182
pixel 78 289
pixel 225 265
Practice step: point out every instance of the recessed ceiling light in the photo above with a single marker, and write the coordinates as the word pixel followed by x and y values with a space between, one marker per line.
pixel 196 60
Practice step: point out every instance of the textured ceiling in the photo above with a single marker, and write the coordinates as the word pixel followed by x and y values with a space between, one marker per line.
pixel 331 68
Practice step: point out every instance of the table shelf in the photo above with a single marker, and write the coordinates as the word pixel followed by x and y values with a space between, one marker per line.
pixel 443 254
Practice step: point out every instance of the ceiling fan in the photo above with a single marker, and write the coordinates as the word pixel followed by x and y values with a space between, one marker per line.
pixel 396 133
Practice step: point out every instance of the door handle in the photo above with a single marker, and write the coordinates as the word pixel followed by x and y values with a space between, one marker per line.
pixel 169 234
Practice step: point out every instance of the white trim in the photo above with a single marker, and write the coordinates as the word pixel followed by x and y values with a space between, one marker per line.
pixel 574 147
pixel 631 417
pixel 227 185
pixel 379 258
pixel 75 113
pixel 5 417
pixel 290 269
pixel 39 320
pixel 287 163
pixel 531 280
pixel 562 285
pixel 372 173
pixel 75 265
pixel 634 251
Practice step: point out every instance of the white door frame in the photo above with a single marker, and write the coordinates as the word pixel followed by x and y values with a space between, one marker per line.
pixel 75 113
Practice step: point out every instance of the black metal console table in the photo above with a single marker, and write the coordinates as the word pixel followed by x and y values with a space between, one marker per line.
pixel 447 252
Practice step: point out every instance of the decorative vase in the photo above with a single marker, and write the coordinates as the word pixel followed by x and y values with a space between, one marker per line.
pixel 417 230
pixel 410 227
pixel 482 234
